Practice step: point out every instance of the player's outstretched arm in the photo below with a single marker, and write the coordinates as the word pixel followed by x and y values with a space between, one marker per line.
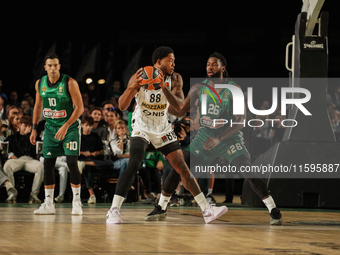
pixel 192 95
pixel 37 110
pixel 132 89
pixel 176 95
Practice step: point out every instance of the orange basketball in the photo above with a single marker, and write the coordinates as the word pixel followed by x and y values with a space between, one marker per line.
pixel 151 78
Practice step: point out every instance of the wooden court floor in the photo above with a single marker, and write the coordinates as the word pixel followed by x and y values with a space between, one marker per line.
pixel 240 231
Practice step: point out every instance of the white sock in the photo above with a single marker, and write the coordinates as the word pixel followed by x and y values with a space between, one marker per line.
pixel 269 202
pixel 76 194
pixel 209 192
pixel 49 195
pixel 117 201
pixel 163 201
pixel 201 201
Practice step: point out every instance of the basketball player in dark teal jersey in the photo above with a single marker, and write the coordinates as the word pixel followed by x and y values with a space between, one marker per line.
pixel 226 142
pixel 58 98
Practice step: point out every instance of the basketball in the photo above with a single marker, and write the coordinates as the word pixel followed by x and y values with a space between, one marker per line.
pixel 151 78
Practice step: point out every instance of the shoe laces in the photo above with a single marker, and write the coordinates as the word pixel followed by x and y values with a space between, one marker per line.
pixel 114 212
pixel 208 211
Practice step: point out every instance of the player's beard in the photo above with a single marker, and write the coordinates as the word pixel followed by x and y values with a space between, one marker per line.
pixel 216 75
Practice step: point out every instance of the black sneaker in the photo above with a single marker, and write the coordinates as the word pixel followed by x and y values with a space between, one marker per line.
pixel 275 217
pixel 174 201
pixel 156 215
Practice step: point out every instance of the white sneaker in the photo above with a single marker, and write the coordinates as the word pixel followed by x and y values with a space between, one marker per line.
pixel 212 212
pixel 92 199
pixel 77 208
pixel 113 216
pixel 81 166
pixel 45 209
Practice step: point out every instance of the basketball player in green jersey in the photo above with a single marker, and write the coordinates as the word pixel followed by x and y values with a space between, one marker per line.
pixel 58 98
pixel 225 141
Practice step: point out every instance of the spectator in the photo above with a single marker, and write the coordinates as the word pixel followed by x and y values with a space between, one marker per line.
pixel 30 100
pixel 13 125
pixel 92 94
pixel 85 98
pixel 151 173
pixel 3 95
pixel 27 110
pixel 11 110
pixel 336 97
pixel 120 146
pixel 2 109
pixel 22 157
pixel 13 99
pixel 6 183
pixel 106 106
pixel 96 114
pixel 262 127
pixel 91 153
pixel 86 112
pixel 111 121
pixel 115 90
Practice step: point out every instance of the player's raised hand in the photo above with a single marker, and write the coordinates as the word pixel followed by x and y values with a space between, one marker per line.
pixel 136 79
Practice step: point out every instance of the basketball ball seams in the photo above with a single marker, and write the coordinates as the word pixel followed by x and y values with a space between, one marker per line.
pixel 150 78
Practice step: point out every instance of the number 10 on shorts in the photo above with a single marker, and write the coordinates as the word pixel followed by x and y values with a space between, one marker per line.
pixel 72 146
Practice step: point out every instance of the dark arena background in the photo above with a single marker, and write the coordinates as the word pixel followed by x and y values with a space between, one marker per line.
pixel 108 41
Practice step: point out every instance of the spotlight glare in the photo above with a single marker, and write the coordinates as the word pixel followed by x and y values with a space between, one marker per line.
pixel 88 80
pixel 101 81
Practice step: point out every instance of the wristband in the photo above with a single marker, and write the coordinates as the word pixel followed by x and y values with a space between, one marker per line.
pixel 35 126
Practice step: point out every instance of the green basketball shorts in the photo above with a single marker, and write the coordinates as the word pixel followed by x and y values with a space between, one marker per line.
pixel 228 149
pixel 69 146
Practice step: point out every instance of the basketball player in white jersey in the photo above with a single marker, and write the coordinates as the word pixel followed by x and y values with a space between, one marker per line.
pixel 151 127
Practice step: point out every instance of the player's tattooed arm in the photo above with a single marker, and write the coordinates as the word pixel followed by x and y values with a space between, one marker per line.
pixel 192 95
pixel 176 95
pixel 132 89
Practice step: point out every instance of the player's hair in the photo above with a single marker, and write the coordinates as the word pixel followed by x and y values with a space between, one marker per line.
pixel 223 61
pixel 120 122
pixel 96 109
pixel 87 119
pixel 51 55
pixel 160 53
pixel 27 120
pixel 10 108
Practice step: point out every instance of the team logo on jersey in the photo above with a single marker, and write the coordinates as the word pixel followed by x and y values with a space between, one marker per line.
pixel 54 114
pixel 225 95
pixel 44 89
pixel 167 84
pixel 154 107
pixel 60 89
pixel 206 121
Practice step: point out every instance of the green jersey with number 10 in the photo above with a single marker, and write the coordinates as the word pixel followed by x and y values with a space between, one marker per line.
pixel 56 100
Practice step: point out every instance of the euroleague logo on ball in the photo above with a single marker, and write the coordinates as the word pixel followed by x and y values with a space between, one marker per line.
pixel 150 78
